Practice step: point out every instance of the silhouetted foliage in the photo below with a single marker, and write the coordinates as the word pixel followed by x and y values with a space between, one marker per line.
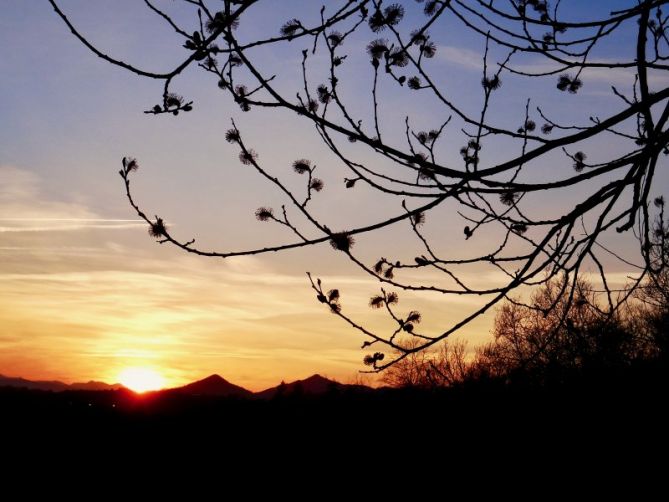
pixel 554 339
pixel 493 187
pixel 649 315
pixel 423 370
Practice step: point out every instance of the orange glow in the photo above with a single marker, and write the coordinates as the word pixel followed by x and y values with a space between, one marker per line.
pixel 141 379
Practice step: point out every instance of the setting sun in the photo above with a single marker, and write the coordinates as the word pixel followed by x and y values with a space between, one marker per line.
pixel 141 379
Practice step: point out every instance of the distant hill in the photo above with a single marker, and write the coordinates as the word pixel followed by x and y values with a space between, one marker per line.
pixel 94 385
pixel 312 386
pixel 214 385
pixel 55 385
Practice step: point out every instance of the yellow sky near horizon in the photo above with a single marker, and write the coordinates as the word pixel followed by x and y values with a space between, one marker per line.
pixel 86 296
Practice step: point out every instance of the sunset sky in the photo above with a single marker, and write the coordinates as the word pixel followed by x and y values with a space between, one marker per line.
pixel 85 292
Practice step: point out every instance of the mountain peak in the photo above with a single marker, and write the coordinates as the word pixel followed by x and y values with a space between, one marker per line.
pixel 215 378
pixel 214 385
pixel 317 378
pixel 314 385
pixel 95 385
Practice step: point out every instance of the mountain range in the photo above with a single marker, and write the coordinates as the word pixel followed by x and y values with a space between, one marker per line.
pixel 213 385
pixel 55 385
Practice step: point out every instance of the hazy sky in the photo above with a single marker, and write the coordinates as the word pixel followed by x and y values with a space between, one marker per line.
pixel 85 292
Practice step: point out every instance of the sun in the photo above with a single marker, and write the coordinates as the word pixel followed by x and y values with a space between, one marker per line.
pixel 141 379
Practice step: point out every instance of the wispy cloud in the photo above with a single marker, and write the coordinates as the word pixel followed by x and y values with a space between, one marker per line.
pixel 611 76
pixel 620 77
pixel 25 208
pixel 21 196
pixel 459 56
pixel 65 225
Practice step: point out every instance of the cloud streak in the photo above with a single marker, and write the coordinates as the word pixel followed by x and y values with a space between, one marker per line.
pixel 25 208
pixel 471 60
pixel 465 58
pixel 68 225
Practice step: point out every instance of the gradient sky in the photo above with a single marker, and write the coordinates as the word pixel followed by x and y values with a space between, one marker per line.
pixel 85 292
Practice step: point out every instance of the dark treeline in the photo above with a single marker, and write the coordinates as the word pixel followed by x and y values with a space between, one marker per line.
pixel 561 337
pixel 536 348
pixel 480 421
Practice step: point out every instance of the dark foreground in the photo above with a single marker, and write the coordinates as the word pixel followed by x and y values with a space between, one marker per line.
pixel 622 407
pixel 583 434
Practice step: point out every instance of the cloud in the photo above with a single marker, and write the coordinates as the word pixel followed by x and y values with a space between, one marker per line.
pixel 472 60
pixel 465 58
pixel 611 76
pixel 63 225
pixel 21 196
pixel 25 208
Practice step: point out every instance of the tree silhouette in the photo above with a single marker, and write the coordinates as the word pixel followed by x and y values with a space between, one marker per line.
pixel 534 345
pixel 448 367
pixel 650 314
pixel 510 159
pixel 527 342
